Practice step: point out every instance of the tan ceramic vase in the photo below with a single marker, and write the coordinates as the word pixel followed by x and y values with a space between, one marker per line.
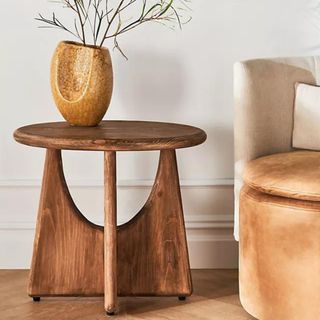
pixel 81 82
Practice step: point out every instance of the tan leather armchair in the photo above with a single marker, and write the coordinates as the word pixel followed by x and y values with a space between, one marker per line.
pixel 277 193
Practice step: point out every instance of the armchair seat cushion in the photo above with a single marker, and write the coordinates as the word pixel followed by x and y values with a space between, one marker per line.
pixel 294 175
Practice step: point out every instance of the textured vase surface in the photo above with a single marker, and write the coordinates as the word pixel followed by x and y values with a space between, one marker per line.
pixel 81 82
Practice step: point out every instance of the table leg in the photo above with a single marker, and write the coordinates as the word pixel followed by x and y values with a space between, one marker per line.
pixel 152 248
pixel 110 233
pixel 147 256
pixel 68 249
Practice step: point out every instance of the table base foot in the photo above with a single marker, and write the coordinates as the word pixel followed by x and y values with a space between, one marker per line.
pixel 110 313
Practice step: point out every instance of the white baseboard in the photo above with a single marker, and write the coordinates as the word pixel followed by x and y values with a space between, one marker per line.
pixel 206 252
pixel 200 183
pixel 208 207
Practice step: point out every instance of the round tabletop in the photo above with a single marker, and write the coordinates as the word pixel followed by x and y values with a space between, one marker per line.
pixel 111 136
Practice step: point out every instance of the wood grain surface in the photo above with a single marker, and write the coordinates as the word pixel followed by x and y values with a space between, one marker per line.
pixel 110 232
pixel 111 136
pixel 152 247
pixel 68 249
pixel 152 257
pixel 215 298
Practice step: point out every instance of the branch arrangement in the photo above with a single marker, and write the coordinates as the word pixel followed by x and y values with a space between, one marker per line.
pixel 101 20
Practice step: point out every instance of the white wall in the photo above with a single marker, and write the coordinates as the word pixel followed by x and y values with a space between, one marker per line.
pixel 170 76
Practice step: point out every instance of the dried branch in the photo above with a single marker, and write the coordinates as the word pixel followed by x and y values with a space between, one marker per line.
pixel 80 19
pixel 97 15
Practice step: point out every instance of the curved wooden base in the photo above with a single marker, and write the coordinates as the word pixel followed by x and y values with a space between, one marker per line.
pixel 68 249
pixel 150 250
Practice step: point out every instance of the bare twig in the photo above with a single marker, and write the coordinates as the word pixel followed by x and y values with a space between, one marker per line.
pixel 80 19
pixel 95 14
pixel 111 21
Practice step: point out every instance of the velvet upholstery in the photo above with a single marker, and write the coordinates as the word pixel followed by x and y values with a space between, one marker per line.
pixel 279 217
pixel 264 94
pixel 293 175
pixel 279 256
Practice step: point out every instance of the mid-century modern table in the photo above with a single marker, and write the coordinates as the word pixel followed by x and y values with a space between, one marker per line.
pixel 147 256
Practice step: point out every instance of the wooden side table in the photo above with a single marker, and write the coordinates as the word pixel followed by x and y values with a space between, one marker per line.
pixel 147 256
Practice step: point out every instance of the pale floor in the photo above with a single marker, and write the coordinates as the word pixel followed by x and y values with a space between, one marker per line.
pixel 215 297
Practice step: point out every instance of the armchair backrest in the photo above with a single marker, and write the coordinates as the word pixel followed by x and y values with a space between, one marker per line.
pixel 264 91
